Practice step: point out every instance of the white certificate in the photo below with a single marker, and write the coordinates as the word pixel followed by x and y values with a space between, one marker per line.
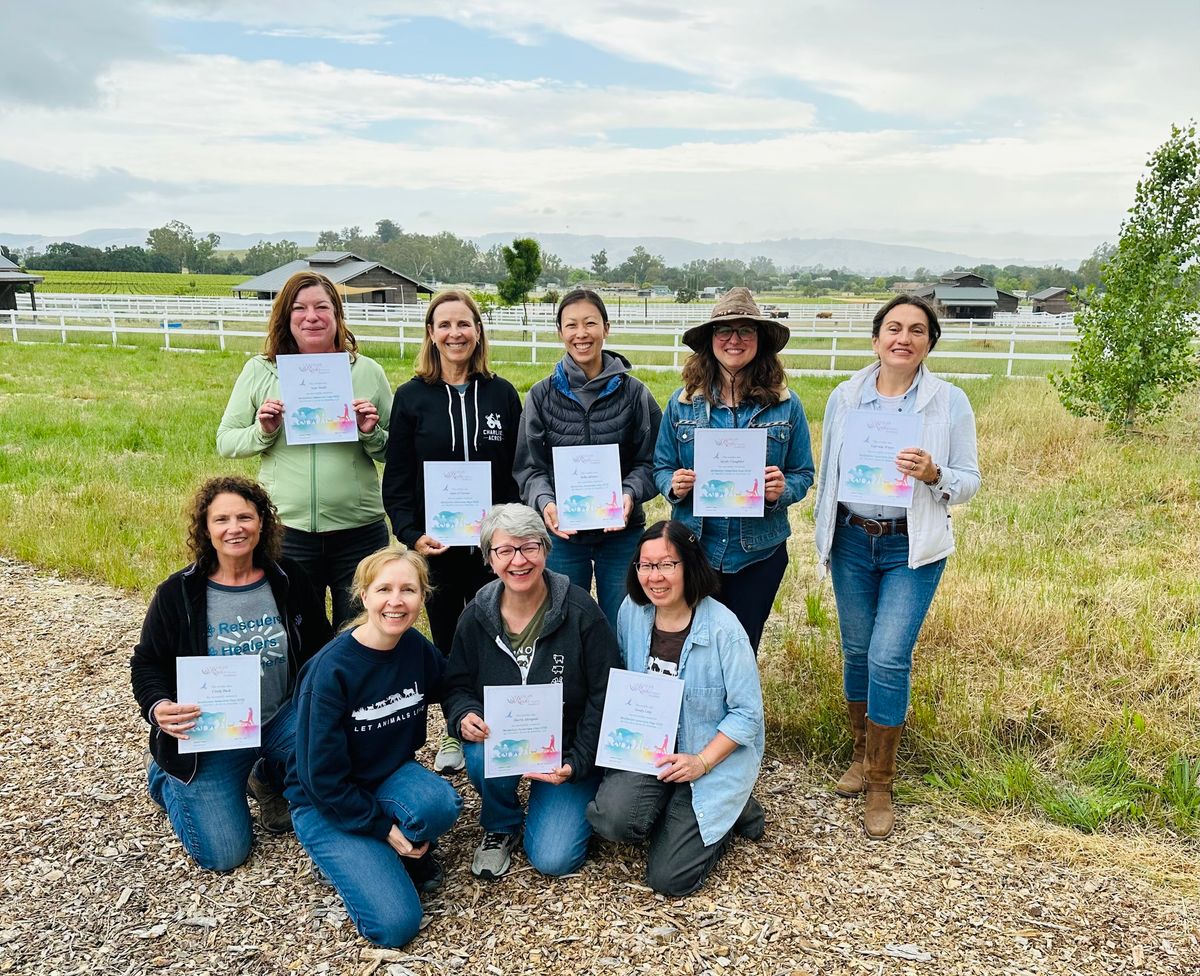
pixel 587 487
pixel 731 465
pixel 867 473
pixel 458 495
pixel 641 716
pixel 317 395
pixel 228 690
pixel 524 729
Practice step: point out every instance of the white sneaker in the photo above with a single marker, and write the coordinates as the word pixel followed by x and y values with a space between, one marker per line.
pixel 450 758
pixel 493 856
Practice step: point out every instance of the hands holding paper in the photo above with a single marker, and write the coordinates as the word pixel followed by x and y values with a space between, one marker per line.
pixel 682 482
pixel 773 485
pixel 366 414
pixel 550 517
pixel 626 509
pixel 175 719
pixel 914 462
pixel 555 778
pixel 473 728
pixel 270 416
pixel 427 545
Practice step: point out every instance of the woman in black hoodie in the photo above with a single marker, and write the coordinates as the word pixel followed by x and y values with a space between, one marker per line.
pixel 453 409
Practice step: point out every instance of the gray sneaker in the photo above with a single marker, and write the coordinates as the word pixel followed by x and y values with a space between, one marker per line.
pixel 273 811
pixel 493 856
pixel 450 758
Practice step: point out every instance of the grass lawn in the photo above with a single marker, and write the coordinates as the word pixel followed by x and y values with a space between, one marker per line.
pixel 1057 672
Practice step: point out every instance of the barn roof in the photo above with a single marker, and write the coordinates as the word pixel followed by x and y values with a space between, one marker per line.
pixel 10 274
pixel 1047 293
pixel 974 297
pixel 338 266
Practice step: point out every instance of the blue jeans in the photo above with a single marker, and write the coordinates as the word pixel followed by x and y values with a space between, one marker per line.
pixel 611 554
pixel 210 815
pixel 368 874
pixel 881 606
pixel 330 559
pixel 556 830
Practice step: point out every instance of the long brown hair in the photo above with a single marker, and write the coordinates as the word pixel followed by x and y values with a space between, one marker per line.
pixel 280 340
pixel 760 382
pixel 270 538
pixel 429 360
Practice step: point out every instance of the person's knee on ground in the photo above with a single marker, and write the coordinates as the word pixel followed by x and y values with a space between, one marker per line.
pixel 669 880
pixel 553 860
pixel 613 823
pixel 390 932
pixel 221 857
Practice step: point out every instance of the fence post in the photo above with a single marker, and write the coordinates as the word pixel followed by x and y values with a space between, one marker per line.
pixel 221 332
pixel 167 331
pixel 533 345
pixel 112 319
pixel 675 354
pixel 1012 348
pixel 13 322
pixel 832 354
pixel 62 325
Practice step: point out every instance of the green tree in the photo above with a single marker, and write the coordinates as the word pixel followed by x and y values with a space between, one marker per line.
pixel 1135 356
pixel 387 230
pixel 523 262
pixel 264 256
pixel 600 263
pixel 1090 268
pixel 177 242
pixel 685 295
pixel 641 267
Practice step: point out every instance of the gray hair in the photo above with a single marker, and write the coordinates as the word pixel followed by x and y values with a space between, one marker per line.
pixel 519 521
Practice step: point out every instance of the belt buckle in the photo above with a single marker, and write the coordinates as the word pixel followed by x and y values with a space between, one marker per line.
pixel 873 527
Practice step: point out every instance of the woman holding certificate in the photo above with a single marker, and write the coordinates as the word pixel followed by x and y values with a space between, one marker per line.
pixel 453 409
pixel 886 558
pixel 529 627
pixel 366 811
pixel 734 381
pixel 238 597
pixel 590 399
pixel 327 493
pixel 671 625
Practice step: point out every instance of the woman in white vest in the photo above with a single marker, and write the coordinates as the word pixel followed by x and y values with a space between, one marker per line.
pixel 886 561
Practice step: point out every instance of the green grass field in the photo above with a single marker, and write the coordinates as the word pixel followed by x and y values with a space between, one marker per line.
pixel 1057 672
pixel 137 283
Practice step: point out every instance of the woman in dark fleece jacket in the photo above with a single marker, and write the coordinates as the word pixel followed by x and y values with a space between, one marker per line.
pixel 365 810
pixel 530 626
pixel 453 409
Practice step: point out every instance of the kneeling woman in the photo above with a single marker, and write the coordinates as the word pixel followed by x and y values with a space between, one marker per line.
pixel 237 597
pixel 365 810
pixel 530 626
pixel 670 624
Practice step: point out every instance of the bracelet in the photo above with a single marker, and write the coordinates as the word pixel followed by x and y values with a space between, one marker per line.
pixel 704 763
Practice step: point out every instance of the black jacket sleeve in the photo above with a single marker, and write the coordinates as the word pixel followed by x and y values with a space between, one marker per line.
pixel 638 482
pixel 152 667
pixel 600 655
pixel 533 466
pixel 307 609
pixel 401 475
pixel 462 688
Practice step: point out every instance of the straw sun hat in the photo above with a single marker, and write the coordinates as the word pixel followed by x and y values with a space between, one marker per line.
pixel 738 305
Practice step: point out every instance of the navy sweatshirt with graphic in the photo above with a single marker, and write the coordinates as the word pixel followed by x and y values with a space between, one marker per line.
pixel 360 715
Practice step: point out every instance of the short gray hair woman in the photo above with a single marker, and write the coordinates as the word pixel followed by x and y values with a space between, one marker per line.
pixel 519 521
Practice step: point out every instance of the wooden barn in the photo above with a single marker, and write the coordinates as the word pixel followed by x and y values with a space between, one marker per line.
pixel 964 295
pixel 357 279
pixel 1052 301
pixel 13 279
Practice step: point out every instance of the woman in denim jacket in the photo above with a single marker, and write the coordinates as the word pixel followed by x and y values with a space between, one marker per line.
pixel 734 379
pixel 670 624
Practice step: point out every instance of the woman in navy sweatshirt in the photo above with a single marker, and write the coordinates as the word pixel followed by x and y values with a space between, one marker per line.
pixel 365 810
pixel 453 409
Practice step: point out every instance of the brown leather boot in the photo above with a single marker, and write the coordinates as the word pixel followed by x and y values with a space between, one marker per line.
pixel 851 783
pixel 879 773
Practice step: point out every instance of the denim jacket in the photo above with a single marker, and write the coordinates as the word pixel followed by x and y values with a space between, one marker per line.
pixel 732 544
pixel 721 693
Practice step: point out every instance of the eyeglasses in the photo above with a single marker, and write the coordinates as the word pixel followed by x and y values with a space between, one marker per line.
pixel 667 567
pixel 725 332
pixel 526 549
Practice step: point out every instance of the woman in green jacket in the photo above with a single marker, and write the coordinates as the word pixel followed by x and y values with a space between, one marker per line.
pixel 327 494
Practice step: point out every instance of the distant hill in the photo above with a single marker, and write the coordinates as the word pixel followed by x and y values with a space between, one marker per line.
pixel 860 257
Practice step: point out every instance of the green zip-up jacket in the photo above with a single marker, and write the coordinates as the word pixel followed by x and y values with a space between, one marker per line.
pixel 316 487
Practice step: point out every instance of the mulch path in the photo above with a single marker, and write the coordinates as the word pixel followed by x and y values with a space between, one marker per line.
pixel 94 881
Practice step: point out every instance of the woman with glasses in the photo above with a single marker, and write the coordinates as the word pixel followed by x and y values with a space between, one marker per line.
pixel 670 624
pixel 590 398
pixel 735 379
pixel 530 626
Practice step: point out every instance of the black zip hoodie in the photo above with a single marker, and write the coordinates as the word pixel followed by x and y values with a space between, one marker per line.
pixel 435 422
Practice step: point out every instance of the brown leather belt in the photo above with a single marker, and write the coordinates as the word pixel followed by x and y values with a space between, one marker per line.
pixel 876 527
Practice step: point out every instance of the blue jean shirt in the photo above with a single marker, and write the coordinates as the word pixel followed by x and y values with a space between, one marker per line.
pixel 721 693
pixel 732 544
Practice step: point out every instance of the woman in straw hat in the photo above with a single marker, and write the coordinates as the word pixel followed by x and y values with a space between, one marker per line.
pixel 734 379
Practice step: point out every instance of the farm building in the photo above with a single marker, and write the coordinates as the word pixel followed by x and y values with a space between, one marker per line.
pixel 963 279
pixel 1053 301
pixel 963 295
pixel 11 278
pixel 357 279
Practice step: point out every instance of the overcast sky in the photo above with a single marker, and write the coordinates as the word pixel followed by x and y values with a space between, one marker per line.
pixel 991 129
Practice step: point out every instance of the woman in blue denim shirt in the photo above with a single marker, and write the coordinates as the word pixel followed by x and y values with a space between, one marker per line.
pixel 734 379
pixel 670 624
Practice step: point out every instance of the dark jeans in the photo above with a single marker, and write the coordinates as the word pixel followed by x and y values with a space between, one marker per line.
pixel 750 592
pixel 609 553
pixel 634 808
pixel 456 575
pixel 330 559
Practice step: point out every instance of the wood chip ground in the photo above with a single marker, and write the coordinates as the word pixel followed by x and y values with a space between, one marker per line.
pixel 94 881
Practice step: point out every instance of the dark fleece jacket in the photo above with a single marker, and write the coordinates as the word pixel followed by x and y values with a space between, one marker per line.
pixel 576 648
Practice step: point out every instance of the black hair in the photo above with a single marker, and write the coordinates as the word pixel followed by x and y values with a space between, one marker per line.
pixel 699 578
pixel 926 306
pixel 580 295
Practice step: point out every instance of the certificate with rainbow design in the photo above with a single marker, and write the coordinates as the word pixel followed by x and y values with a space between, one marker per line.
pixel 228 690
pixel 458 494
pixel 731 465
pixel 317 395
pixel 867 472
pixel 641 716
pixel 524 729
pixel 587 487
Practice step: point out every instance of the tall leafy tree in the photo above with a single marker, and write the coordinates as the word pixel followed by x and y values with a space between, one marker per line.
pixel 1135 354
pixel 523 262
pixel 600 263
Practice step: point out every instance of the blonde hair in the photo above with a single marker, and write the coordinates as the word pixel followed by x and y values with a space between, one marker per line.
pixel 429 360
pixel 371 566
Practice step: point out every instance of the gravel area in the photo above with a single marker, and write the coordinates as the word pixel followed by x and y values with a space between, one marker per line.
pixel 95 882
